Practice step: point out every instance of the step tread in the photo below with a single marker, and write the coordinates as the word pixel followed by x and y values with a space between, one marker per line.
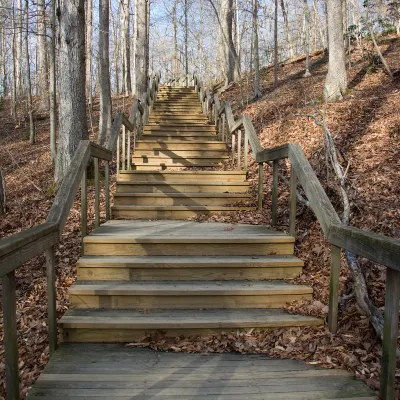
pixel 172 142
pixel 169 319
pixel 243 173
pixel 195 182
pixel 184 194
pixel 192 288
pixel 180 208
pixel 190 262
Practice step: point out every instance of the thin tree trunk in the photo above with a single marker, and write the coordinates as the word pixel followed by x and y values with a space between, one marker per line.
pixel 14 66
pixel 43 62
pixel 287 29
pixel 127 48
pixel 104 71
pixel 141 69
pixel 53 82
pixel 18 49
pixel 72 114
pixel 307 44
pixel 175 64
pixel 276 45
pixel 89 58
pixel 186 42
pixel 32 134
pixel 257 91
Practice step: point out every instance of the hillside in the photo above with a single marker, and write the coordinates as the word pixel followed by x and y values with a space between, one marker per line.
pixel 366 126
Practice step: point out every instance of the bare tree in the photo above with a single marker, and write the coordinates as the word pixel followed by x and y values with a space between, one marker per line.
pixel 89 50
pixel 105 120
pixel 72 120
pixel 336 80
pixel 287 29
pixel 256 56
pixel 126 47
pixel 43 57
pixel 141 47
pixel 276 45
pixel 52 91
pixel 32 133
pixel 307 41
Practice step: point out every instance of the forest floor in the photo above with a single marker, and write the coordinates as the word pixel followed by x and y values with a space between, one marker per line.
pixel 366 129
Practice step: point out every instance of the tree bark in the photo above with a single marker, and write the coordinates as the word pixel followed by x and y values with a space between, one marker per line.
pixel 53 82
pixel 141 66
pixel 127 48
pixel 336 80
pixel 89 58
pixel 43 60
pixel 3 197
pixel 32 133
pixel 105 120
pixel 307 44
pixel 256 55
pixel 72 111
pixel 276 45
pixel 175 63
pixel 287 29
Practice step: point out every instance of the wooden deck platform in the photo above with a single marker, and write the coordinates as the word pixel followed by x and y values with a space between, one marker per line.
pixel 113 371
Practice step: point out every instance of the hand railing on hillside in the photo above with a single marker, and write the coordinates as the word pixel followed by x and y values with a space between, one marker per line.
pixel 181 80
pixel 23 246
pixel 378 248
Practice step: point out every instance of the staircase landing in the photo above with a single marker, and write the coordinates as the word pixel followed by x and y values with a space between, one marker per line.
pixel 111 371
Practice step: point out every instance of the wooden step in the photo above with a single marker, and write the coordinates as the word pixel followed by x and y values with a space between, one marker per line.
pixel 165 167
pixel 171 212
pixel 185 238
pixel 176 159
pixel 165 154
pixel 219 176
pixel 179 199
pixel 127 325
pixel 189 130
pixel 177 268
pixel 181 187
pixel 180 145
pixel 184 294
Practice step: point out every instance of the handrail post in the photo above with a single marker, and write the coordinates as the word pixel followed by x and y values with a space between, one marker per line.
pixel 260 185
pixel 334 289
pixel 52 297
pixel 10 336
pixel 390 333
pixel 96 193
pixel 118 154
pixel 246 151
pixel 292 202
pixel 128 157
pixel 107 188
pixel 233 138
pixel 123 148
pixel 275 192
pixel 223 128
pixel 239 148
pixel 84 204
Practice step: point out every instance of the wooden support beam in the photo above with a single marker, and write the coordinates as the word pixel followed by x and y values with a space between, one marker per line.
pixel 118 155
pixel 390 334
pixel 292 202
pixel 334 289
pixel 275 192
pixel 233 139
pixel 10 336
pixel 260 185
pixel 107 188
pixel 123 168
pixel 246 152
pixel 84 204
pixel 239 148
pixel 96 193
pixel 52 297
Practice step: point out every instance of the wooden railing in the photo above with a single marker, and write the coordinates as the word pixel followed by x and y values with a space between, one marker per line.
pixel 23 246
pixel 378 248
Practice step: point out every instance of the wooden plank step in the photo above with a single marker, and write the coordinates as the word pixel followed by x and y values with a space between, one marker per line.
pixel 192 129
pixel 184 294
pixel 222 176
pixel 185 238
pixel 165 167
pixel 128 325
pixel 171 212
pixel 181 136
pixel 172 186
pixel 188 268
pixel 173 159
pixel 179 145
pixel 177 125
pixel 181 154
pixel 179 199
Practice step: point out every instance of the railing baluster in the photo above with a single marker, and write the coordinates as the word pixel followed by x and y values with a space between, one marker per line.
pixel 52 297
pixel 118 154
pixel 334 289
pixel 96 193
pixel 223 127
pixel 128 158
pixel 84 204
pixel 246 151
pixel 239 149
pixel 390 333
pixel 260 186
pixel 123 148
pixel 107 188
pixel 292 202
pixel 275 192
pixel 233 138
pixel 10 336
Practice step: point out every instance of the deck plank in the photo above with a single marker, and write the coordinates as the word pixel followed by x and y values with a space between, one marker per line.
pixel 99 371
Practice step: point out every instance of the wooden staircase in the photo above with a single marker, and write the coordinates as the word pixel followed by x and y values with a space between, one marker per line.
pixel 180 277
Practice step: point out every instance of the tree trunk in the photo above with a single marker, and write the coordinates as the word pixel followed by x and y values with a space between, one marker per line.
pixel 287 29
pixel 105 120
pixel 43 61
pixel 53 82
pixel 336 80
pixel 72 112
pixel 186 43
pixel 3 197
pixel 175 63
pixel 89 58
pixel 14 67
pixel 141 68
pixel 276 45
pixel 18 49
pixel 256 55
pixel 307 44
pixel 32 134
pixel 232 67
pixel 127 48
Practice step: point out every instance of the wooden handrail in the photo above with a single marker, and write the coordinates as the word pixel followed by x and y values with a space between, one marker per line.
pixel 375 247
pixel 19 248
